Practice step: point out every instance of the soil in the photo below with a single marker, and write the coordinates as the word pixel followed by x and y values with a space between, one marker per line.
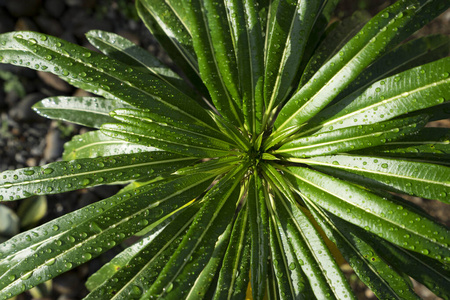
pixel 27 139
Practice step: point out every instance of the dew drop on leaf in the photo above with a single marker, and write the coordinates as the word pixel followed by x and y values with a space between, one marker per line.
pixel 28 172
pixel 47 171
pixel 87 256
pixel 55 227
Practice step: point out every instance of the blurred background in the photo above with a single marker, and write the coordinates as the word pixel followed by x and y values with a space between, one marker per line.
pixel 27 139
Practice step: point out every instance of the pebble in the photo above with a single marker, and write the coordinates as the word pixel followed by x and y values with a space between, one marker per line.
pixel 22 112
pixel 25 23
pixel 54 82
pixel 53 143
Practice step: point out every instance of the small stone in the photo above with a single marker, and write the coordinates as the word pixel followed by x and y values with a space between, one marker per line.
pixel 55 82
pixel 22 112
pixel 53 143
pixel 25 23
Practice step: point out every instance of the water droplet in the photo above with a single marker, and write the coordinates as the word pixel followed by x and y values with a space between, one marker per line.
pixel 32 41
pixel 47 171
pixel 48 57
pixel 11 277
pixel 135 290
pixel 43 38
pixel 28 172
pixel 27 275
pixel 87 256
pixel 50 262
pixel 385 15
pixel 55 227
pixel 68 265
pixel 384 165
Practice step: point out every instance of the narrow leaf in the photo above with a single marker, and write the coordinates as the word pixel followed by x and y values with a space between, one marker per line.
pixel 86 111
pixel 416 178
pixel 71 175
pixel 384 217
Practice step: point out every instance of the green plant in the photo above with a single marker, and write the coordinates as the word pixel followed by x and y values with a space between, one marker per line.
pixel 308 131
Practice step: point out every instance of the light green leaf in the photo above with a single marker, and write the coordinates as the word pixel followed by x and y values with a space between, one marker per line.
pixel 351 138
pixel 412 90
pixel 96 144
pixel 71 175
pixel 86 111
pixel 75 238
pixel 382 216
pixel 31 211
pixel 382 32
pixel 416 178
pixel 101 75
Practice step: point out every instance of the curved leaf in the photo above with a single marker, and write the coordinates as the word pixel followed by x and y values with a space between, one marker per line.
pixel 382 216
pixel 71 175
pixel 382 32
pixel 311 252
pixel 98 228
pixel 95 144
pixel 351 138
pixel 421 179
pixel 86 111
pixel 101 75
pixel 368 264
pixel 199 243
pixel 412 90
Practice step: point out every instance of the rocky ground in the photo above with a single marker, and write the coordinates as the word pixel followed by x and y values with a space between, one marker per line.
pixel 27 139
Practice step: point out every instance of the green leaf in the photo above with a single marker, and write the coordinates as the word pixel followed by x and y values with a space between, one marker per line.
pixel 382 216
pixel 167 21
pixel 134 270
pixel 101 75
pixel 334 40
pixel 75 238
pixel 216 58
pixel 117 47
pixel 311 252
pixel 10 224
pixel 71 175
pixel 31 211
pixel 234 274
pixel 259 231
pixel 86 111
pixel 416 178
pixel 426 271
pixel 406 56
pixel 352 138
pixel 368 264
pixel 287 34
pixel 96 144
pixel 382 32
pixel 415 89
pixel 166 137
pixel 198 244
pixel 429 145
pixel 248 45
